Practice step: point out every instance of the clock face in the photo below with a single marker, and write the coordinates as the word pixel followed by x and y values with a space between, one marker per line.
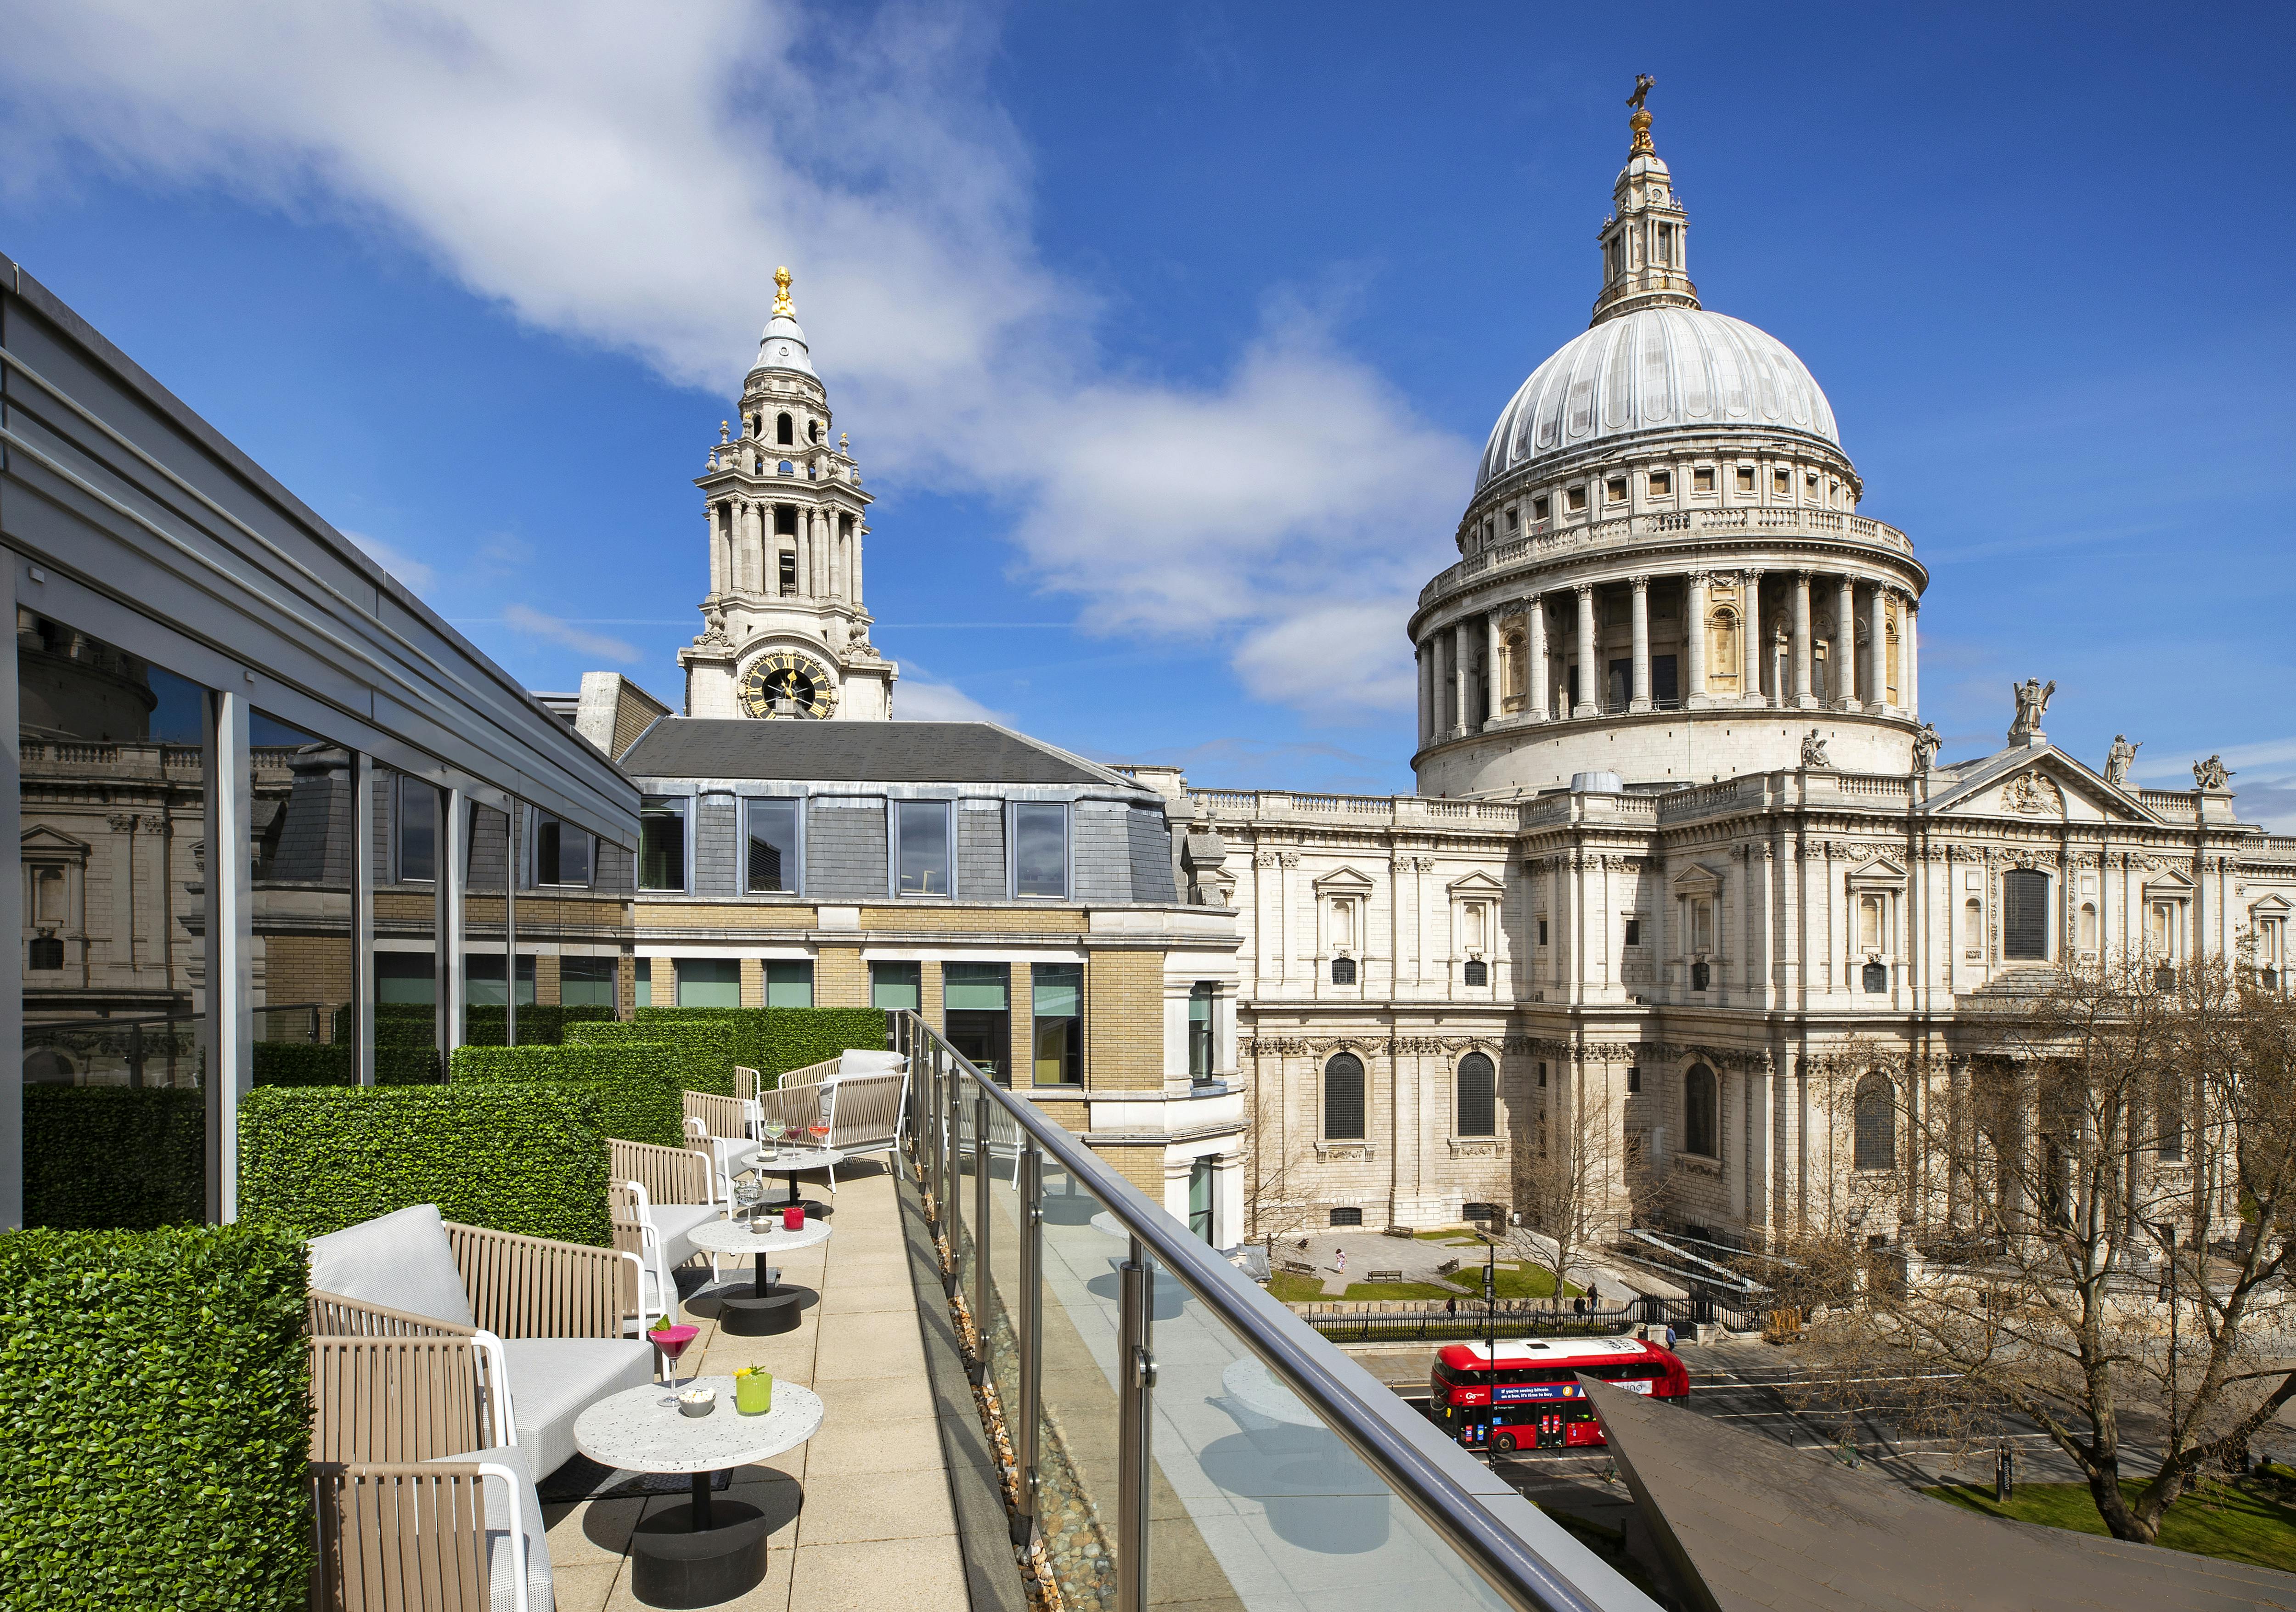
pixel 784 683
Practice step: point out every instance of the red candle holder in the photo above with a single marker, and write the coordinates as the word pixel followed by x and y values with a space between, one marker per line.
pixel 794 1218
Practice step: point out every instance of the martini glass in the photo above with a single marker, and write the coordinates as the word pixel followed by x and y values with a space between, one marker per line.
pixel 672 1341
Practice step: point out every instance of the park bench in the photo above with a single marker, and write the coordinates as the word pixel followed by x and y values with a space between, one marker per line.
pixel 1382 1276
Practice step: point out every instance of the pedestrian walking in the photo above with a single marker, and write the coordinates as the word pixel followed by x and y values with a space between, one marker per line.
pixel 1450 1306
pixel 1578 1305
pixel 1339 1260
pixel 1670 1335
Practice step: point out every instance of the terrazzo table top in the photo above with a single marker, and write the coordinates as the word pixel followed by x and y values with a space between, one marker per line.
pixel 633 1431
pixel 733 1237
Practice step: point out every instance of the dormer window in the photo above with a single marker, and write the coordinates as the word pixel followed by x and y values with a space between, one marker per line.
pixel 1576 499
pixel 1661 484
pixel 1781 480
pixel 1539 508
pixel 1745 478
pixel 1701 480
pixel 1615 490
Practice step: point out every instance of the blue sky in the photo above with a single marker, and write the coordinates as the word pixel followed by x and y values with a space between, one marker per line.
pixel 1166 335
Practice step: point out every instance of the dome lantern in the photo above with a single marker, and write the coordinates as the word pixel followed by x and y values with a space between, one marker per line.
pixel 1646 241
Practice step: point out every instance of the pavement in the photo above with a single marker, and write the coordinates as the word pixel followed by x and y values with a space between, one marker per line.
pixel 1417 1259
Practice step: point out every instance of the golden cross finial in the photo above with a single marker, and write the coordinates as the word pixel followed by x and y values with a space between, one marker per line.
pixel 781 308
pixel 1641 121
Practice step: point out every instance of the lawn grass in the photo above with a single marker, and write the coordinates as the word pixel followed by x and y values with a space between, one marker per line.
pixel 1514 1282
pixel 2245 1521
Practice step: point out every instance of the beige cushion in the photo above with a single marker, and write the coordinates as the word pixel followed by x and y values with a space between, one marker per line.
pixel 402 1260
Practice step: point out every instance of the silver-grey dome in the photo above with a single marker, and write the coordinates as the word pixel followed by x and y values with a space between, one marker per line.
pixel 1650 370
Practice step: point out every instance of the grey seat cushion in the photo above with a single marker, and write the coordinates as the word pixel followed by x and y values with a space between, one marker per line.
pixel 402 1260
pixel 860 1061
pixel 674 1221
pixel 501 1561
pixel 553 1379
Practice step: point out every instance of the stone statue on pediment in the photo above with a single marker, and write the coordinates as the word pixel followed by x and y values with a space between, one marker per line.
pixel 2120 758
pixel 2211 773
pixel 1926 745
pixel 2032 701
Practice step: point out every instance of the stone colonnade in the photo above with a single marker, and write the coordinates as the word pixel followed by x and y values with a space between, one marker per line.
pixel 1449 655
pixel 828 544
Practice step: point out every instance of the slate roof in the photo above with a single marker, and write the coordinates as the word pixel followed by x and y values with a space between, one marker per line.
pixel 1756 1525
pixel 875 753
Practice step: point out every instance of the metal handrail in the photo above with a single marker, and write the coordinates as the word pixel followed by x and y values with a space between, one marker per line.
pixel 1375 1432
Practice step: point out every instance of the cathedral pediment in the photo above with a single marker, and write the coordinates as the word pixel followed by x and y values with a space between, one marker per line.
pixel 1477 884
pixel 42 840
pixel 1695 880
pixel 1344 880
pixel 2038 784
pixel 1877 870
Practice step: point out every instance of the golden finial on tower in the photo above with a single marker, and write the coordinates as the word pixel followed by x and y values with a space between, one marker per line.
pixel 1641 121
pixel 781 308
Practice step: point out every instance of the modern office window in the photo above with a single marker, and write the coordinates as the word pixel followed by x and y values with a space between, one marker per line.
pixel 1343 1098
pixel 771 850
pixel 1478 1107
pixel 1199 1199
pixel 896 986
pixel 588 982
pixel 563 854
pixel 482 980
pixel 708 982
pixel 1040 849
pixel 1201 995
pixel 789 982
pixel 976 1011
pixel 661 843
pixel 415 831
pixel 405 979
pixel 1056 1005
pixel 921 847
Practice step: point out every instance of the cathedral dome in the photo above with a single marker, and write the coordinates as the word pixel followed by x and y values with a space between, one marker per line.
pixel 1656 368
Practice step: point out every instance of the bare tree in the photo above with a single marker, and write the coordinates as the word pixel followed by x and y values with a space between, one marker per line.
pixel 1569 1184
pixel 2098 1196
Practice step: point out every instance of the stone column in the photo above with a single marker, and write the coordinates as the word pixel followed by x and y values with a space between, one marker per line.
pixel 1426 687
pixel 857 564
pixel 750 563
pixel 1693 639
pixel 1463 668
pixel 1877 633
pixel 1440 663
pixel 1909 655
pixel 1640 697
pixel 1590 682
pixel 1802 697
pixel 1751 632
pixel 1845 644
pixel 1494 679
pixel 1536 697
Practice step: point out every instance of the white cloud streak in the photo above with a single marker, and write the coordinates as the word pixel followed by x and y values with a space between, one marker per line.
pixel 557 629
pixel 406 567
pixel 915 701
pixel 631 177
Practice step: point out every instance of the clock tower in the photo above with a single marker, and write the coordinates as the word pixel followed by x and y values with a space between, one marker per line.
pixel 784 633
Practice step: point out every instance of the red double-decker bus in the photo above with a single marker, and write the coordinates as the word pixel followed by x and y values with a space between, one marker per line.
pixel 1526 1397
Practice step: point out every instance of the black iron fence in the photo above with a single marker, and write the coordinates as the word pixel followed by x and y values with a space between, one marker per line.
pixel 1445 1323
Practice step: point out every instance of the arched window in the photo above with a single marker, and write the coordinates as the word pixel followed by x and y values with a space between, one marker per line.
pixel 1478 1112
pixel 1876 1112
pixel 1973 927
pixel 1343 1098
pixel 1701 1109
pixel 784 430
pixel 1343 971
pixel 813 432
pixel 1477 972
pixel 1722 644
pixel 2087 935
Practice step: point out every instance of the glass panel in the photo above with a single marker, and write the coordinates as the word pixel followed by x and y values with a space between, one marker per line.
pixel 893 986
pixel 661 843
pixel 984 986
pixel 772 857
pixel 789 984
pixel 485 989
pixel 1254 1501
pixel 406 930
pixel 560 853
pixel 924 833
pixel 961 1205
pixel 1077 1429
pixel 485 888
pixel 1000 1335
pixel 1058 990
pixel 574 934
pixel 585 982
pixel 113 858
pixel 300 862
pixel 975 1010
pixel 1200 1029
pixel 1040 849
pixel 708 982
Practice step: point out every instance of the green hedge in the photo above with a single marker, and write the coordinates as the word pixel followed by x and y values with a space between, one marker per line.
pixel 113 1157
pixel 302 1064
pixel 772 1041
pixel 154 1420
pixel 515 1156
pixel 635 1082
pixel 705 1050
pixel 537 1025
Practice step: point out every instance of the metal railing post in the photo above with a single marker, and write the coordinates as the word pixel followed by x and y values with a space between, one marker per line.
pixel 981 1236
pixel 955 1115
pixel 1136 1397
pixel 1031 1329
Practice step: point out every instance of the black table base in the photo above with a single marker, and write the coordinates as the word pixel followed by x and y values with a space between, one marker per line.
pixel 760 1311
pixel 699 1555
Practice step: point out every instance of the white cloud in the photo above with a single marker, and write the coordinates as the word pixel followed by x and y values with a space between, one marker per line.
pixel 556 631
pixel 631 178
pixel 915 701
pixel 406 567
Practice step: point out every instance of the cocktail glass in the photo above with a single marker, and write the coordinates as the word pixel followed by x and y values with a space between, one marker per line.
pixel 672 1341
pixel 748 1192
pixel 819 1132
pixel 774 1131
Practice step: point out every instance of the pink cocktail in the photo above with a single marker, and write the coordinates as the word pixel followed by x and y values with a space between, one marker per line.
pixel 672 1341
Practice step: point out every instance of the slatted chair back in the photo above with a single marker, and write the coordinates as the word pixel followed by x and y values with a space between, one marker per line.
pixel 720 1116
pixel 812 1074
pixel 669 1175
pixel 795 1106
pixel 395 1537
pixel 865 1113
pixel 399 1399
pixel 530 1286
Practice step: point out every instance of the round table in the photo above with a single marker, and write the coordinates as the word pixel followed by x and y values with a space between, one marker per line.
pixel 709 1552
pixel 765 1308
pixel 785 1159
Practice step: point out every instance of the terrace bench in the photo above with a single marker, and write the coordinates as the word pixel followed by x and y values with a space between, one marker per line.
pixel 1382 1276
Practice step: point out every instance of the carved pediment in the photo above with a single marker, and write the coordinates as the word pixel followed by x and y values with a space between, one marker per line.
pixel 1476 885
pixel 2038 786
pixel 1877 870
pixel 2168 882
pixel 2272 906
pixel 1344 880
pixel 50 845
pixel 1695 880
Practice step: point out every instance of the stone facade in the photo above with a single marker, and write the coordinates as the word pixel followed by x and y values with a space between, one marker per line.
pixel 1682 843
